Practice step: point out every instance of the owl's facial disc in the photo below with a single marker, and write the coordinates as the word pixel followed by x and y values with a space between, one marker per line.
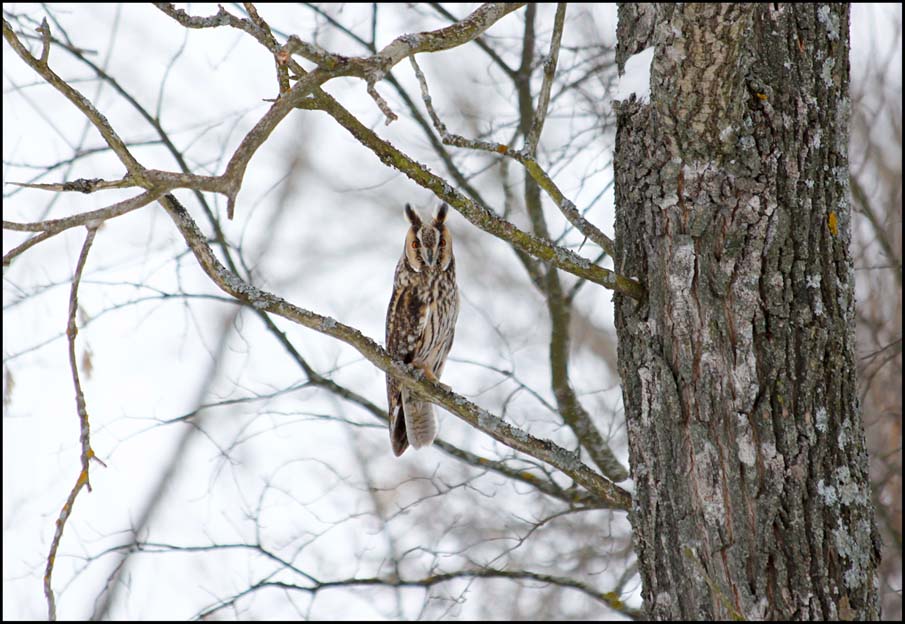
pixel 428 245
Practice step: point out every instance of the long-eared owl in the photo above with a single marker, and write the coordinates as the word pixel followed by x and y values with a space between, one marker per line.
pixel 421 321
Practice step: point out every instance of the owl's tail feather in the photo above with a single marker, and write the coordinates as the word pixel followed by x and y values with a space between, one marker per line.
pixel 398 438
pixel 420 420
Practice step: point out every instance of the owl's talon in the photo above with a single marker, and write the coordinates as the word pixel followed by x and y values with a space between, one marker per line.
pixel 426 372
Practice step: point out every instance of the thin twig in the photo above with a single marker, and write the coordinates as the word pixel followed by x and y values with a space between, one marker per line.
pixel 480 41
pixel 540 113
pixel 382 104
pixel 84 437
pixel 282 71
pixel 44 29
pixel 28 244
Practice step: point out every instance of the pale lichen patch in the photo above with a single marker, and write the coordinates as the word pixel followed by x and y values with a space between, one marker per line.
pixel 822 419
pixel 746 451
pixel 827 493
pixel 826 74
pixel 830 21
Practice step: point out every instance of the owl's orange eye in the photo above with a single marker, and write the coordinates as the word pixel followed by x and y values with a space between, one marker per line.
pixel 415 244
pixel 442 242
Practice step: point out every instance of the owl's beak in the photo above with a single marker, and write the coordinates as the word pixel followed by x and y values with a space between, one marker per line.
pixel 429 257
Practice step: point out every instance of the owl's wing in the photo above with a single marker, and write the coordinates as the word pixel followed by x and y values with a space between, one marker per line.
pixel 406 317
pixel 453 313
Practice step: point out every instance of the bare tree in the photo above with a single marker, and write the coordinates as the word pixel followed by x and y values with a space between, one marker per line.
pixel 269 488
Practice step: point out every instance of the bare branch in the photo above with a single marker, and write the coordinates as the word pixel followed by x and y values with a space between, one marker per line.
pixel 611 599
pixel 480 41
pixel 87 451
pixel 44 29
pixel 540 113
pixel 82 185
pixel 382 104
pixel 282 72
pixel 330 66
pixel 451 36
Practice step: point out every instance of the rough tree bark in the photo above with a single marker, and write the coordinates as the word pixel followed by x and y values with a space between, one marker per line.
pixel 747 448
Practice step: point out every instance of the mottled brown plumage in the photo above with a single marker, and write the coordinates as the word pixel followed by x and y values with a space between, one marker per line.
pixel 421 321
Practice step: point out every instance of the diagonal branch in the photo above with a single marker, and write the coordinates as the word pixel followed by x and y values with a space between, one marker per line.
pixel 458 405
pixel 478 215
pixel 547 486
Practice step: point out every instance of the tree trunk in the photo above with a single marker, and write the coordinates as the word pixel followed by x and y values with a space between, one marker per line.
pixel 732 186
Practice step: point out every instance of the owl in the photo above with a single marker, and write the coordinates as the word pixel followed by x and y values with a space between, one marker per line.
pixel 421 321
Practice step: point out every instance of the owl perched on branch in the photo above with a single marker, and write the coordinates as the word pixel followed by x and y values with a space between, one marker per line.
pixel 421 321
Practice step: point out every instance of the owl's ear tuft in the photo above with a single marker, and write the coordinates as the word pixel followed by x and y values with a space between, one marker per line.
pixel 441 214
pixel 412 216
